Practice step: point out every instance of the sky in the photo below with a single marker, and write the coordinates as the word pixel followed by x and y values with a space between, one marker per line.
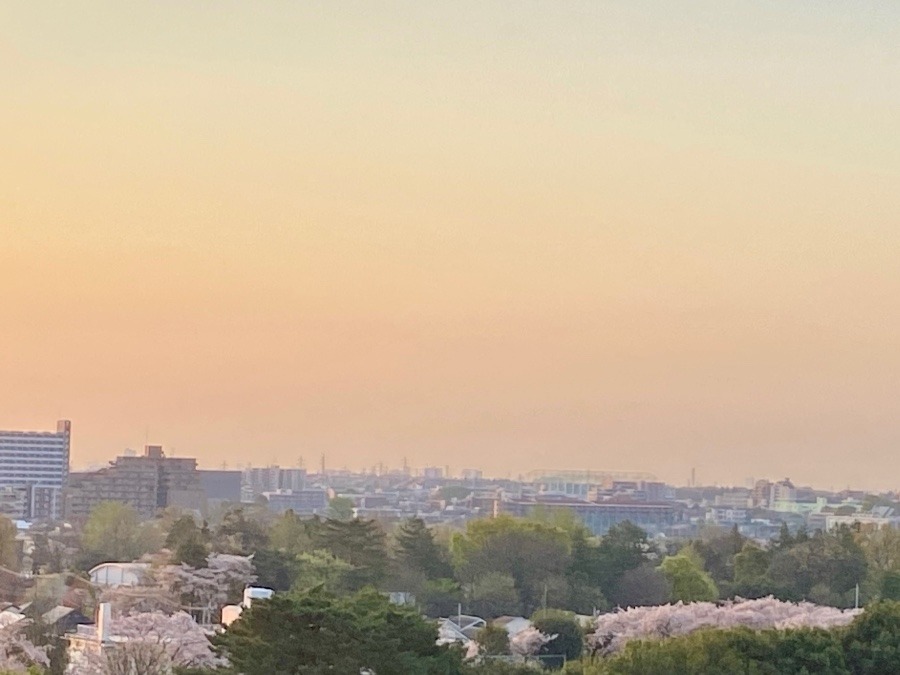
pixel 586 235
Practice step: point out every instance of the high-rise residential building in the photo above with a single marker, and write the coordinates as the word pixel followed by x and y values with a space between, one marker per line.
pixel 259 480
pixel 782 492
pixel 472 474
pixel 148 483
pixel 762 492
pixel 39 462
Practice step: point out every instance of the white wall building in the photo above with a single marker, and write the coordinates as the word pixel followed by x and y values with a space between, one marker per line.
pixel 38 461
pixel 231 613
pixel 90 641
pixel 115 574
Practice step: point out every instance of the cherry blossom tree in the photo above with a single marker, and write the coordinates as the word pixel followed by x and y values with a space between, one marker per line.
pixel 137 599
pixel 613 630
pixel 153 643
pixel 528 642
pixel 204 591
pixel 525 643
pixel 17 653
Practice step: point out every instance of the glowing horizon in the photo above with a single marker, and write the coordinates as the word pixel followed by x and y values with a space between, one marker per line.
pixel 580 235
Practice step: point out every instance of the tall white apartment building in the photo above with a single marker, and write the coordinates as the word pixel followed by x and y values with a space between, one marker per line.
pixel 256 481
pixel 36 462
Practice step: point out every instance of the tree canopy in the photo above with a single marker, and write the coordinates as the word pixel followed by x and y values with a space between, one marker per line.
pixel 317 632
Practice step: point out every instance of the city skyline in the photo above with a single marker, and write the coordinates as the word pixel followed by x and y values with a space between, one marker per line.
pixel 315 465
pixel 577 235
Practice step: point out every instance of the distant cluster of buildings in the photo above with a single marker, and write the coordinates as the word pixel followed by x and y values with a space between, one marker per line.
pixel 759 511
pixel 36 485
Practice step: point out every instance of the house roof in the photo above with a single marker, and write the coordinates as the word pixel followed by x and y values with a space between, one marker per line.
pixel 56 614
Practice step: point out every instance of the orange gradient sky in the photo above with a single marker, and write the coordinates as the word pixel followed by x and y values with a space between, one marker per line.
pixel 498 235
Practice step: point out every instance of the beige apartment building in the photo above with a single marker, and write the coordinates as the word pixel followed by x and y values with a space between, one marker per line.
pixel 149 483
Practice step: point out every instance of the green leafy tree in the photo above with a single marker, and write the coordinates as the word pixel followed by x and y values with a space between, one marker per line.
pixel 275 569
pixel 397 639
pixel 872 641
pixel 321 568
pixel 890 585
pixel 717 549
pixel 882 549
pixel 532 554
pixel 47 556
pixel 494 594
pixel 309 633
pixel 182 529
pixel 689 582
pixel 844 561
pixel 361 543
pixel 493 640
pixel 241 534
pixel 316 632
pixel 624 547
pixel 559 519
pixel 642 586
pixel 189 543
pixel 417 549
pixel 791 571
pixel 824 567
pixel 784 540
pixel 569 639
pixel 583 597
pixel 498 667
pixel 751 567
pixel 440 597
pixel 729 652
pixel 290 533
pixel 870 645
pixel 584 574
pixel 113 532
pixel 340 508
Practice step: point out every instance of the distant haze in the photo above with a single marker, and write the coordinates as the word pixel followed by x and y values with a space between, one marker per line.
pixel 630 235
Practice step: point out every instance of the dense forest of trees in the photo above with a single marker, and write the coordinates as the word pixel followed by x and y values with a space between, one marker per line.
pixel 331 575
pixel 513 566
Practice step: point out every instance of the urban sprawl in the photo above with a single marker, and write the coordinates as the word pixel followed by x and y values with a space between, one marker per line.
pixel 37 485
pixel 154 566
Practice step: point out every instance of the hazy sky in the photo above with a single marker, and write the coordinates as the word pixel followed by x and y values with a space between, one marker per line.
pixel 511 235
